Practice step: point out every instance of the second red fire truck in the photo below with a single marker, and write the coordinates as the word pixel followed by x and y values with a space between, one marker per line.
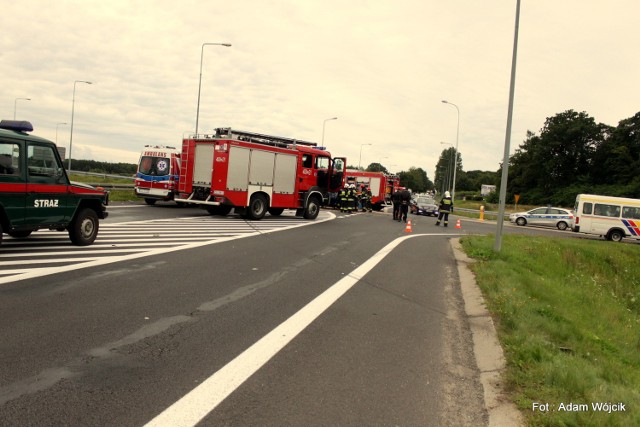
pixel 380 184
pixel 256 174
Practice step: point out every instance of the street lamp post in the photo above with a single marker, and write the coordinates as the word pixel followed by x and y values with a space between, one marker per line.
pixel 58 124
pixel 497 244
pixel 73 104
pixel 200 80
pixel 455 163
pixel 15 106
pixel 360 159
pixel 448 177
pixel 323 125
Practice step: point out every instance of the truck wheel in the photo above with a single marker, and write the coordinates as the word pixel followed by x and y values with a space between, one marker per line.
pixel 221 210
pixel 276 211
pixel 313 208
pixel 257 208
pixel 150 201
pixel 615 235
pixel 21 234
pixel 84 228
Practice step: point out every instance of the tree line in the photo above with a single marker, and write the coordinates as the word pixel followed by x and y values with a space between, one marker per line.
pixel 126 169
pixel 574 154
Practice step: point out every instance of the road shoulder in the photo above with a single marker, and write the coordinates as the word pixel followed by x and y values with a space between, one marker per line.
pixel 486 347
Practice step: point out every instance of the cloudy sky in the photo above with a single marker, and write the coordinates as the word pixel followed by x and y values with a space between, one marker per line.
pixel 382 67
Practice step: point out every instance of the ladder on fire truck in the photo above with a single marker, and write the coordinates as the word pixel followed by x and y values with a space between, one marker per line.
pixel 258 138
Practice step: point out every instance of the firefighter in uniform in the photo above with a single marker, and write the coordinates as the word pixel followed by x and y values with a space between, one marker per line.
pixel 405 197
pixel 342 196
pixel 446 206
pixel 351 198
pixel 367 200
pixel 396 199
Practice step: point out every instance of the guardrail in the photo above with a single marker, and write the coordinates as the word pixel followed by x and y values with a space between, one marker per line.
pixel 109 186
pixel 104 175
pixel 487 214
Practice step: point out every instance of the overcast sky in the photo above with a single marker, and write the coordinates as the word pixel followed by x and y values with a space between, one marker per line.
pixel 381 67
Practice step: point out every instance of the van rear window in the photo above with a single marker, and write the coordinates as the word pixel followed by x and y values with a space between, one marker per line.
pixel 630 212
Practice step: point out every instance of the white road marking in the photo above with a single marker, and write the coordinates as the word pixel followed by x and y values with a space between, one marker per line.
pixel 216 230
pixel 195 405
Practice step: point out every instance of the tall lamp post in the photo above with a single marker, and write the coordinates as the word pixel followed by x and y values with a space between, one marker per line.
pixel 448 177
pixel 455 163
pixel 497 244
pixel 360 159
pixel 58 124
pixel 73 104
pixel 200 80
pixel 15 106
pixel 323 125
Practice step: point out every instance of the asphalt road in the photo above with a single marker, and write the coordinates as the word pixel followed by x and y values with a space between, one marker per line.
pixel 348 321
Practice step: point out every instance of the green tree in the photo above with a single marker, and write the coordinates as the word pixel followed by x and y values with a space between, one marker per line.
pixel 376 167
pixel 562 155
pixel 416 179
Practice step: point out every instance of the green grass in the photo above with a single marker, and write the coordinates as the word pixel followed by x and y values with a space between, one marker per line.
pixel 568 317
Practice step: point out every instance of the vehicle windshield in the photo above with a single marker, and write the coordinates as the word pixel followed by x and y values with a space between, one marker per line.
pixel 154 166
pixel 425 201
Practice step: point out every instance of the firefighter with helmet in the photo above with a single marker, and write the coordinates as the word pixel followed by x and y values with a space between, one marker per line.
pixel 351 198
pixel 366 205
pixel 342 197
pixel 446 206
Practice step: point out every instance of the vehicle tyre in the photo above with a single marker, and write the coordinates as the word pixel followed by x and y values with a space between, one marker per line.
pixel 257 208
pixel 562 225
pixel 313 208
pixel 521 221
pixel 276 211
pixel 615 235
pixel 150 202
pixel 84 228
pixel 0 233
pixel 222 210
pixel 20 234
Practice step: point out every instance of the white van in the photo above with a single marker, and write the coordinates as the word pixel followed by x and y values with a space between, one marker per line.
pixel 611 217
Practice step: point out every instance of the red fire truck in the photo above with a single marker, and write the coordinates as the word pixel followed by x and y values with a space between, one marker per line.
pixel 158 171
pixel 381 185
pixel 256 173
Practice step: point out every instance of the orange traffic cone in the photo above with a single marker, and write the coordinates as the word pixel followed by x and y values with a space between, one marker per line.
pixel 458 225
pixel 408 227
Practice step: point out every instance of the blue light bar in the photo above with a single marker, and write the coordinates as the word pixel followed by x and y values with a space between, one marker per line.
pixel 16 125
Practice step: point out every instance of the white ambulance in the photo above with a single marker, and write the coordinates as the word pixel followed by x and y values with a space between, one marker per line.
pixel 612 217
pixel 158 172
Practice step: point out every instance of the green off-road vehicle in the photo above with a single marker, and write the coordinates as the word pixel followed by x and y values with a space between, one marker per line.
pixel 35 191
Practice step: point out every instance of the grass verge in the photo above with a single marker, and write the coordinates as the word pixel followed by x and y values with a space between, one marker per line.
pixel 567 313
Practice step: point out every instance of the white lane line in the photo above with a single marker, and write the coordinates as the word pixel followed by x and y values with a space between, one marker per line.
pixel 38 272
pixel 195 405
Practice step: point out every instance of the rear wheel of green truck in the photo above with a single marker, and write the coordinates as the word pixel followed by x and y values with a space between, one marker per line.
pixel 21 234
pixel 84 228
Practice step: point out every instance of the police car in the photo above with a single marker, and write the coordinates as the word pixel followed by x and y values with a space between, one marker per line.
pixel 549 216
pixel 35 191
